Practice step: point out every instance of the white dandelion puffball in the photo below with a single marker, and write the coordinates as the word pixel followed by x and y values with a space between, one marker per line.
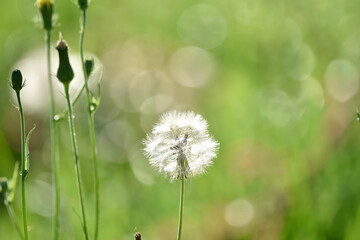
pixel 180 145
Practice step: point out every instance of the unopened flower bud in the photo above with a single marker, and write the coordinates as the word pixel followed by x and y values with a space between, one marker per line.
pixel 83 4
pixel 89 66
pixel 17 80
pixel 3 185
pixel 46 8
pixel 137 236
pixel 65 72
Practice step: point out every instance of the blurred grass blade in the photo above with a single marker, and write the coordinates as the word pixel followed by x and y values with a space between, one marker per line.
pixel 13 182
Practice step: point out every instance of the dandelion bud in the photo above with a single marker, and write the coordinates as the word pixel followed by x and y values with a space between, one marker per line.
pixel 89 65
pixel 83 4
pixel 180 145
pixel 137 236
pixel 3 185
pixel 17 80
pixel 46 8
pixel 65 72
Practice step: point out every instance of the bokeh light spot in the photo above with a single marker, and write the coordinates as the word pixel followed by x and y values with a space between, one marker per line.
pixel 278 108
pixel 341 79
pixel 156 104
pixel 239 213
pixel 300 63
pixel 192 66
pixel 312 92
pixel 202 25
pixel 35 96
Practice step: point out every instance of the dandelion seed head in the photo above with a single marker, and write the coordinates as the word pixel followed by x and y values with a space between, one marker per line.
pixel 180 146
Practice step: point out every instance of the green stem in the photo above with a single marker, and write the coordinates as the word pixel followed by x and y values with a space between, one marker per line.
pixel 182 188
pixel 91 127
pixel 23 171
pixel 76 158
pixel 13 219
pixel 75 99
pixel 54 141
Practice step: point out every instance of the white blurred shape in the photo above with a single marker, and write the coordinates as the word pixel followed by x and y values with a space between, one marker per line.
pixel 300 63
pixel 341 79
pixel 202 25
pixel 35 95
pixel 192 66
pixel 239 213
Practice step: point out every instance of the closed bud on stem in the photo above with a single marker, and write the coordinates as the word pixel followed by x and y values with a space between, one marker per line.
pixel 83 4
pixel 17 82
pixel 65 72
pixel 137 236
pixel 46 8
pixel 3 185
pixel 89 65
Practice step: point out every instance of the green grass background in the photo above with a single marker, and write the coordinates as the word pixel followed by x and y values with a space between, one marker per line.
pixel 288 147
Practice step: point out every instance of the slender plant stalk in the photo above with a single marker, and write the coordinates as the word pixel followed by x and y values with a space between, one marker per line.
pixel 91 126
pixel 23 171
pixel 76 158
pixel 13 218
pixel 74 101
pixel 54 141
pixel 182 188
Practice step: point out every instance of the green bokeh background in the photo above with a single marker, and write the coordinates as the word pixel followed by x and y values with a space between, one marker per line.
pixel 279 94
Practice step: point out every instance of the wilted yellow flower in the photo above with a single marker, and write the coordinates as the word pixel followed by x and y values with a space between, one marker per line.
pixel 46 8
pixel 42 3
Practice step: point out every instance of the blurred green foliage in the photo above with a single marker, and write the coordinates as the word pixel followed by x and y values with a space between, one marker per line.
pixel 277 82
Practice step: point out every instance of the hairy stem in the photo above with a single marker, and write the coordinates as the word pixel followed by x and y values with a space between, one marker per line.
pixel 23 171
pixel 91 127
pixel 76 158
pixel 13 218
pixel 54 141
pixel 182 188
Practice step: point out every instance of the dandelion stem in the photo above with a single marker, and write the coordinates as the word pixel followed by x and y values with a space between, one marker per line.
pixel 13 219
pixel 182 188
pixel 54 141
pixel 91 126
pixel 76 158
pixel 23 159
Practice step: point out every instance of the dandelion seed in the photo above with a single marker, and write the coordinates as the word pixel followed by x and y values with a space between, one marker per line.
pixel 180 145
